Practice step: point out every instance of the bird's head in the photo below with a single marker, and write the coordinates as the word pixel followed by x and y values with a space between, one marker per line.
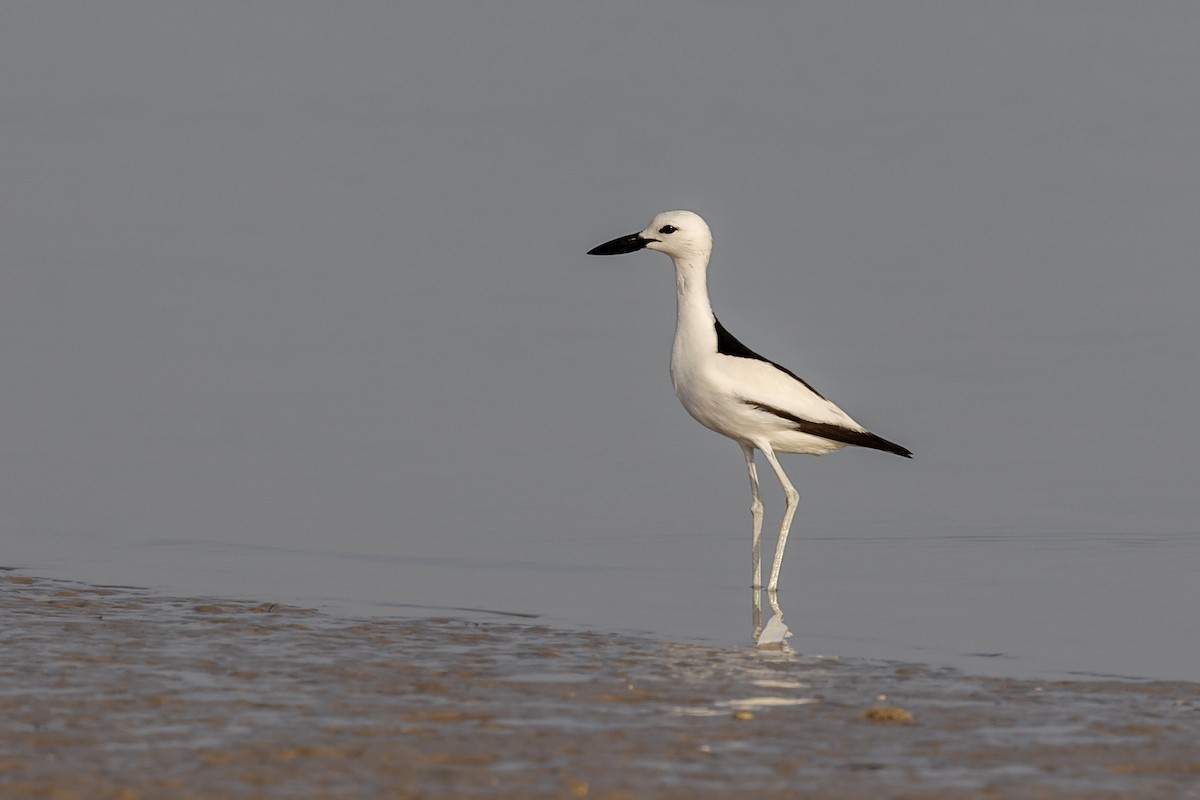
pixel 679 234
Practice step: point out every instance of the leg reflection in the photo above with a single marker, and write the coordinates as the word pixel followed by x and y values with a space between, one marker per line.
pixel 773 599
pixel 773 634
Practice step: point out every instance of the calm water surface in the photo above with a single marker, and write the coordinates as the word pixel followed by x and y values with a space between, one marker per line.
pixel 1050 606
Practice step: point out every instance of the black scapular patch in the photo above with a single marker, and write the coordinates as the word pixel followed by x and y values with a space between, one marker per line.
pixel 727 345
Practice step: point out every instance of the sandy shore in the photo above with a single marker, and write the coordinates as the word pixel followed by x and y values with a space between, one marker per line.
pixel 113 692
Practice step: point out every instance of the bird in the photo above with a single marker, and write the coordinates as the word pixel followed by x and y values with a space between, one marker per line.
pixel 732 390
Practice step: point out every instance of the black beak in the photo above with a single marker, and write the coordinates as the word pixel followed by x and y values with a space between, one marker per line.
pixel 625 244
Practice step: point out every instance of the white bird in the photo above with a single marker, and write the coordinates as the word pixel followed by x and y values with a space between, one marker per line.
pixel 729 388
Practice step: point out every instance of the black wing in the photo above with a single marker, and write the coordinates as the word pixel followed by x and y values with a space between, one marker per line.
pixel 834 433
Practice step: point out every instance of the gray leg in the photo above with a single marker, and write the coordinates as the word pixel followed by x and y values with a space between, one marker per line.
pixel 793 498
pixel 756 511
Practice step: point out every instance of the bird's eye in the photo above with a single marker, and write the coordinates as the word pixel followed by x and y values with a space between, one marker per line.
pixel 667 229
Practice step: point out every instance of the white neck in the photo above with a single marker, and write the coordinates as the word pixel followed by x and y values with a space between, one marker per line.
pixel 695 334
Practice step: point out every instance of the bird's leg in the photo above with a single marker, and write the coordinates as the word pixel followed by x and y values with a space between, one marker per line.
pixel 756 511
pixel 793 498
pixel 756 614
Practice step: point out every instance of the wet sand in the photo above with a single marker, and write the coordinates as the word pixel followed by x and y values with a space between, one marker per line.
pixel 121 693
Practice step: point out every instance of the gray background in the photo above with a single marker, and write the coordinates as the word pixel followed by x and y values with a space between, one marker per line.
pixel 294 303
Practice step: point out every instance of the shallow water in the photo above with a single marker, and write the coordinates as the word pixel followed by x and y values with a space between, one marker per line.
pixel 1048 606
pixel 123 693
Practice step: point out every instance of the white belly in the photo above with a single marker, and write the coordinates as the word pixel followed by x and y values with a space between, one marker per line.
pixel 714 401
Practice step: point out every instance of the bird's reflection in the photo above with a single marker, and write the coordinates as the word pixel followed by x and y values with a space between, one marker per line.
pixel 772 635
